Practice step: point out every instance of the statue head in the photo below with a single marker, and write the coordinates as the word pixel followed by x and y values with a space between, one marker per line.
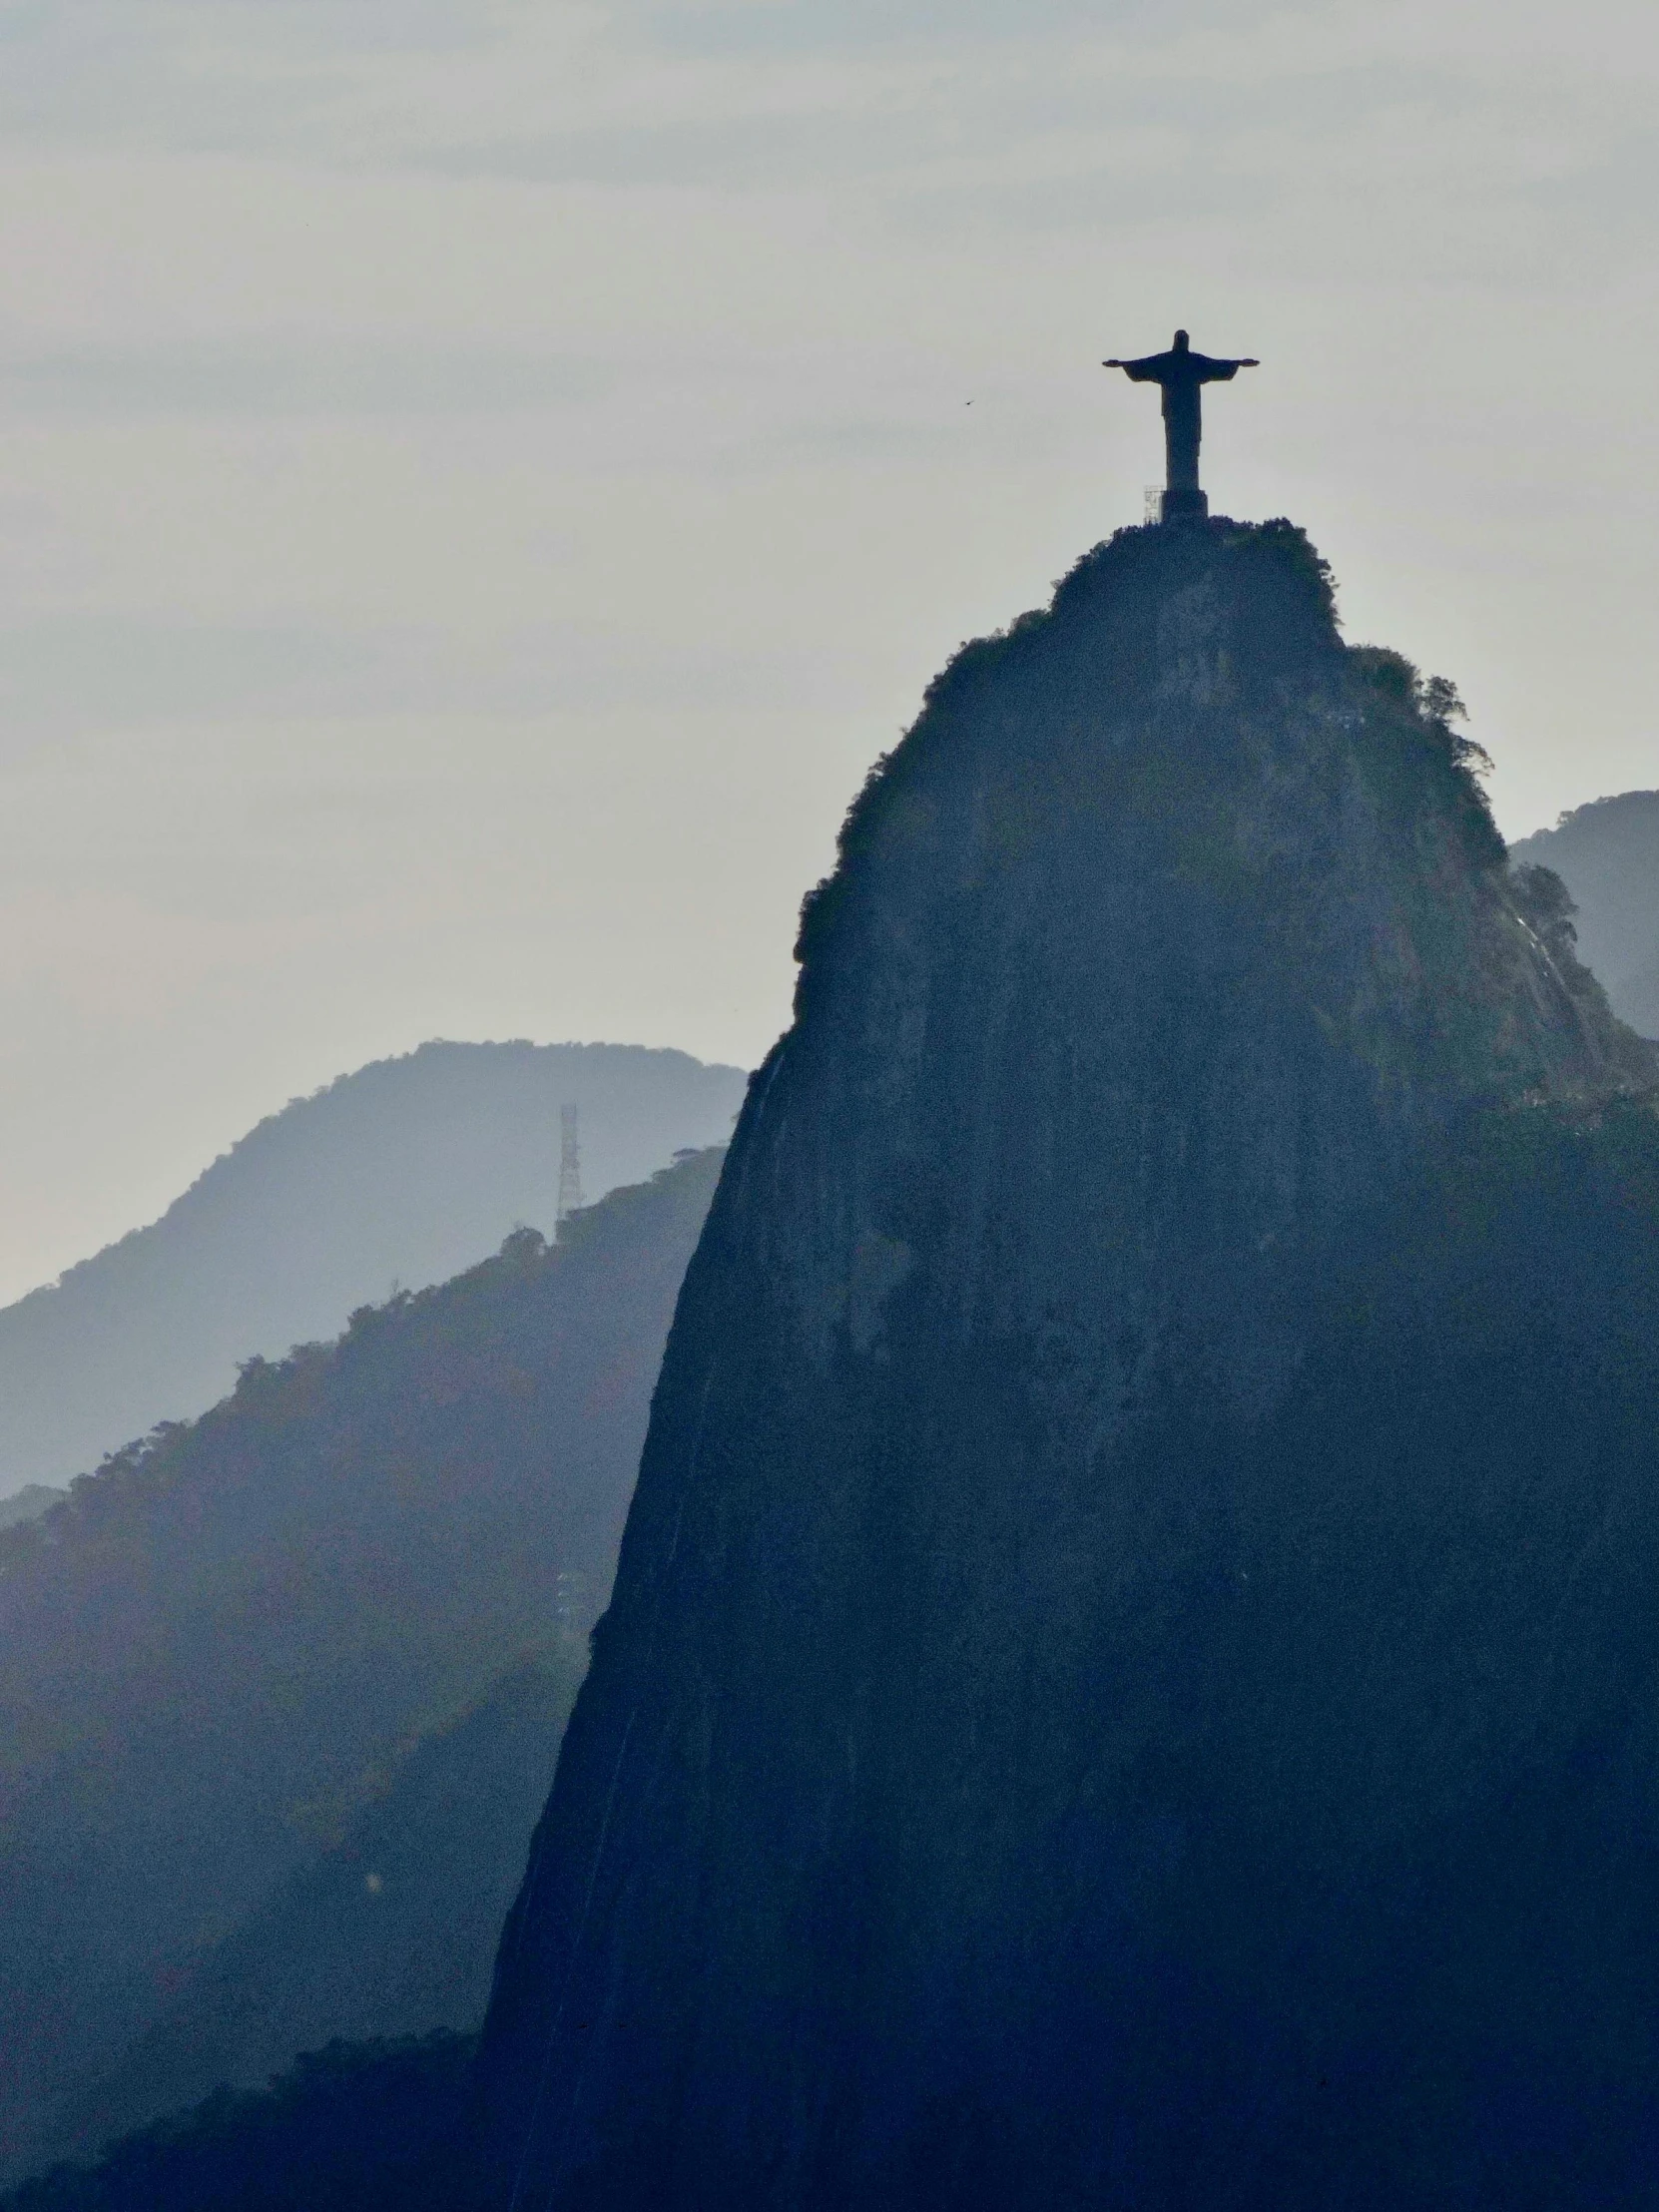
pixel 1182 342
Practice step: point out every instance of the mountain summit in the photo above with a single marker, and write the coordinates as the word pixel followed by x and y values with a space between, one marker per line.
pixel 1130 1677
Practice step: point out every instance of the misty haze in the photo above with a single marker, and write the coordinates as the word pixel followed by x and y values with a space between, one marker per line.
pixel 829 1291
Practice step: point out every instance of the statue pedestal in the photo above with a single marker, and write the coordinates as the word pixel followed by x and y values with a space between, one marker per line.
pixel 1186 505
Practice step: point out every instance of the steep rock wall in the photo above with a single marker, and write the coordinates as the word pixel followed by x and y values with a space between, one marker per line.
pixel 943 1823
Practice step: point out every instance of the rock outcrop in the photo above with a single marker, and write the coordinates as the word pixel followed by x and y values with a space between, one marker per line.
pixel 1131 1678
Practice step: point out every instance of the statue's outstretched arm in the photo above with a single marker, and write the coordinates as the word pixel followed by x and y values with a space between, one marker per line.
pixel 1143 372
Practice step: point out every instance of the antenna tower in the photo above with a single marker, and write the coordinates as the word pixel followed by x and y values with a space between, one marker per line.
pixel 570 1164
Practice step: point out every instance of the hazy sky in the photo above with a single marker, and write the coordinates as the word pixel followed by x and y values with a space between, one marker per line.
pixel 480 479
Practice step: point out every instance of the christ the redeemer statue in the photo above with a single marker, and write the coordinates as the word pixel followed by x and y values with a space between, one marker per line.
pixel 1181 373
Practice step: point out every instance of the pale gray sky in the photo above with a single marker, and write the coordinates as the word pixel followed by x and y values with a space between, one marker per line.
pixel 480 479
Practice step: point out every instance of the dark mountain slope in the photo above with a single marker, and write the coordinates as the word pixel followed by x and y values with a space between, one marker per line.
pixel 390 1933
pixel 403 1173
pixel 1130 1641
pixel 218 1656
pixel 368 2127
pixel 1607 854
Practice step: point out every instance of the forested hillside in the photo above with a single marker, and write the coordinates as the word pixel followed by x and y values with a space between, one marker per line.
pixel 279 1689
pixel 1607 854
pixel 401 1174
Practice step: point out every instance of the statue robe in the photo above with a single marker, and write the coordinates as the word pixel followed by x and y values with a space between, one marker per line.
pixel 1181 373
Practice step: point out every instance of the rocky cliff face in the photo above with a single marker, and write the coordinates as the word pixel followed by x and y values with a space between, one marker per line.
pixel 1127 1528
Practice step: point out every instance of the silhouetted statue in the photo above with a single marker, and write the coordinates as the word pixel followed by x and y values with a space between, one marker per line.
pixel 1181 372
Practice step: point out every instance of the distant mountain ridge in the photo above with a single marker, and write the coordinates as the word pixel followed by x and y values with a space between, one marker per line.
pixel 25 1504
pixel 400 1174
pixel 1607 854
